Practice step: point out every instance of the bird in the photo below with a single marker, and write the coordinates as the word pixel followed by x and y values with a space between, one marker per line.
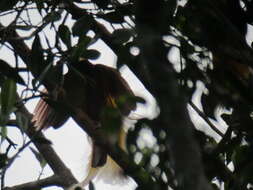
pixel 92 88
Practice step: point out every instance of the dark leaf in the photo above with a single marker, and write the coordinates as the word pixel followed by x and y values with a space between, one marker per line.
pixel 81 26
pixel 3 160
pixel 78 51
pixel 113 17
pixel 37 56
pixel 22 121
pixel 91 54
pixel 6 5
pixel 8 99
pixel 39 157
pixel 4 132
pixel 65 35
pixel 122 35
pixel 209 103
pixel 52 17
pixel 91 186
pixel 39 5
pixel 24 27
pixel 41 140
pixel 12 73
pixel 102 4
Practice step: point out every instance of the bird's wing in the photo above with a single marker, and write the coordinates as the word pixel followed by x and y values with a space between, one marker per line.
pixel 117 89
pixel 46 116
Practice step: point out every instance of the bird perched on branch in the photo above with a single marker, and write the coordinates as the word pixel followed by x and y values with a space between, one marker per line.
pixel 93 89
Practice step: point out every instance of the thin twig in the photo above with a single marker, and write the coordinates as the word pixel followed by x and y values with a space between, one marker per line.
pixel 203 116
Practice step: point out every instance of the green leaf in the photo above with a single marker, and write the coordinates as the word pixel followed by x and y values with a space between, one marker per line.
pixel 8 99
pixel 65 35
pixel 122 35
pixel 82 26
pixel 12 73
pixel 39 157
pixel 4 133
pixel 91 54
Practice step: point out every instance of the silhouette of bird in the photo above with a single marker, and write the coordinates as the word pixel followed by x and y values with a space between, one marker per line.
pixel 92 89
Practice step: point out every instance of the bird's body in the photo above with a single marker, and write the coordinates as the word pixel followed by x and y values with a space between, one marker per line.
pixel 92 89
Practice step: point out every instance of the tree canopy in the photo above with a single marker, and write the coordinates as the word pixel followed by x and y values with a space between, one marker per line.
pixel 172 47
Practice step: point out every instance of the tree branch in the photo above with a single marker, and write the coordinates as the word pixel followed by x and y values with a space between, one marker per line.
pixel 50 181
pixel 142 178
pixel 54 161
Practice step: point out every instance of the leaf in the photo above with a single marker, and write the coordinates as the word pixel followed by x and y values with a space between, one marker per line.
pixel 52 17
pixel 3 160
pixel 42 76
pixel 24 27
pixel 6 5
pixel 22 121
pixel 12 73
pixel 81 26
pixel 121 36
pixel 91 54
pixel 65 35
pixel 41 140
pixel 81 47
pixel 91 186
pixel 8 99
pixel 39 157
pixel 4 133
pixel 113 17
pixel 37 57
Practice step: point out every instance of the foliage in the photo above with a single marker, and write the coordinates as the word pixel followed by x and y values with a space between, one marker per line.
pixel 208 37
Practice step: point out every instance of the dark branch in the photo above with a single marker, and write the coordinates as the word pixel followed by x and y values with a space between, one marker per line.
pixel 47 182
pixel 201 114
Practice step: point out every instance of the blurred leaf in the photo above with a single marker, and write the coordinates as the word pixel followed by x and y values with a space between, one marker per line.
pixel 240 156
pixel 12 73
pixel 102 4
pixel 3 160
pixel 39 5
pixel 82 26
pixel 91 186
pixel 4 133
pixel 22 121
pixel 209 103
pixel 65 35
pixel 91 54
pixel 6 5
pixel 37 56
pixel 8 99
pixel 39 157
pixel 41 140
pixel 80 48
pixel 122 35
pixel 52 17
pixel 113 17
pixel 24 27
pixel 43 75
pixel 111 119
